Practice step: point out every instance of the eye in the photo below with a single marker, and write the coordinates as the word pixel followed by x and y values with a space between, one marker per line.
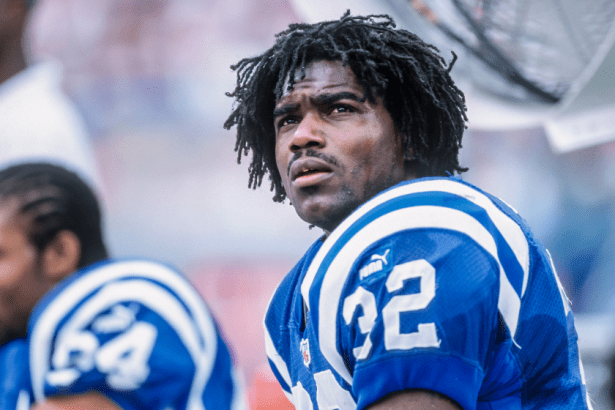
pixel 341 108
pixel 289 119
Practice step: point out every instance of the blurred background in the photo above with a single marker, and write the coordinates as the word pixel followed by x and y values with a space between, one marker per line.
pixel 147 82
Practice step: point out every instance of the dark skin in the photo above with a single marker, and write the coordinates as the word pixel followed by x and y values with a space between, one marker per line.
pixel 26 275
pixel 90 400
pixel 334 151
pixel 13 16
pixel 22 278
pixel 414 400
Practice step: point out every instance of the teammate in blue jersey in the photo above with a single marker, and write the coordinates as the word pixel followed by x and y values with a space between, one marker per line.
pixel 424 291
pixel 102 333
pixel 15 390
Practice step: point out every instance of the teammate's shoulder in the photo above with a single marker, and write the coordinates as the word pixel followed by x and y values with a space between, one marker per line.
pixel 14 373
pixel 114 324
pixel 82 284
pixel 11 354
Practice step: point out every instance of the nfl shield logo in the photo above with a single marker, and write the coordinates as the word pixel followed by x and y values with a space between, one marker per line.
pixel 304 347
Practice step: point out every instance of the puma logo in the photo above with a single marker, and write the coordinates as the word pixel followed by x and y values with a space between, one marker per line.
pixel 383 258
pixel 377 264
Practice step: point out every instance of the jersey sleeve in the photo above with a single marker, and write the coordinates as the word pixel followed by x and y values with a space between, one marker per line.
pixel 277 320
pixel 14 376
pixel 135 331
pixel 419 311
pixel 276 347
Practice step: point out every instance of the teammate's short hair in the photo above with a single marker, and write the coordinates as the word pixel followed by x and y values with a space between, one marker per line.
pixel 412 79
pixel 54 199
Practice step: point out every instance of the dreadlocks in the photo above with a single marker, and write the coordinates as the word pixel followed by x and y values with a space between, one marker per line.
pixel 413 80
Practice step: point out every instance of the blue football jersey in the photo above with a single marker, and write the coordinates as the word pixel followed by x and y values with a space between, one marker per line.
pixel 135 331
pixel 15 393
pixel 432 284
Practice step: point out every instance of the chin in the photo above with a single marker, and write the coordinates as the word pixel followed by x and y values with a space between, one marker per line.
pixel 325 208
pixel 324 217
pixel 313 213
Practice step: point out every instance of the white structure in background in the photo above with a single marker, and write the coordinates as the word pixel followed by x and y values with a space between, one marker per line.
pixel 565 47
pixel 39 122
pixel 586 115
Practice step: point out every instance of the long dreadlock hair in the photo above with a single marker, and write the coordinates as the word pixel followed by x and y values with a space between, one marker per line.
pixel 412 79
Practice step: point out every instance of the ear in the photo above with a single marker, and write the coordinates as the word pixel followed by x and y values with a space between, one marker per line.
pixel 61 256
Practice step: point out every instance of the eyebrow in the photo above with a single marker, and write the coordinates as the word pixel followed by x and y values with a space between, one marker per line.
pixel 327 99
pixel 321 99
pixel 285 109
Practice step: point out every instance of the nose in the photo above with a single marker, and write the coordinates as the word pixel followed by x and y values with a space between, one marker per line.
pixel 308 134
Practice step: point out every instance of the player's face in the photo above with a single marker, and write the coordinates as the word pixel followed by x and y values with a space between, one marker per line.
pixel 21 281
pixel 333 150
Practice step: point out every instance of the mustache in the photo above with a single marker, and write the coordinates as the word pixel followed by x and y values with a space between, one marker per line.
pixel 312 153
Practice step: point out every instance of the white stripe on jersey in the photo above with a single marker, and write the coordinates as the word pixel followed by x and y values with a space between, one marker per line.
pixel 290 397
pixel 43 333
pixel 23 400
pixel 238 401
pixel 277 360
pixel 406 218
pixel 148 294
pixel 509 229
pixel 565 301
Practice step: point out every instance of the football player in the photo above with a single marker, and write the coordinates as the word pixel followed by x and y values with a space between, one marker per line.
pixel 102 333
pixel 424 291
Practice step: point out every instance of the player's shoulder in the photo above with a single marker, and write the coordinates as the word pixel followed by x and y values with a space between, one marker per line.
pixel 285 306
pixel 285 311
pixel 438 203
pixel 432 203
pixel 280 304
pixel 97 290
pixel 112 279
pixel 114 323
pixel 434 198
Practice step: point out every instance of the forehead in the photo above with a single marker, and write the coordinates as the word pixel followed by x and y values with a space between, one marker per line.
pixel 324 76
pixel 8 209
pixel 11 217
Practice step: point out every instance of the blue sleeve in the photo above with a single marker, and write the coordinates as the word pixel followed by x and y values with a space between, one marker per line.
pixel 14 375
pixel 419 311
pixel 276 320
pixel 279 318
pixel 138 333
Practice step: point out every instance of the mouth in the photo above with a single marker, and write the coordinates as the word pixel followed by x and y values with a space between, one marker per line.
pixel 309 171
pixel 306 172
